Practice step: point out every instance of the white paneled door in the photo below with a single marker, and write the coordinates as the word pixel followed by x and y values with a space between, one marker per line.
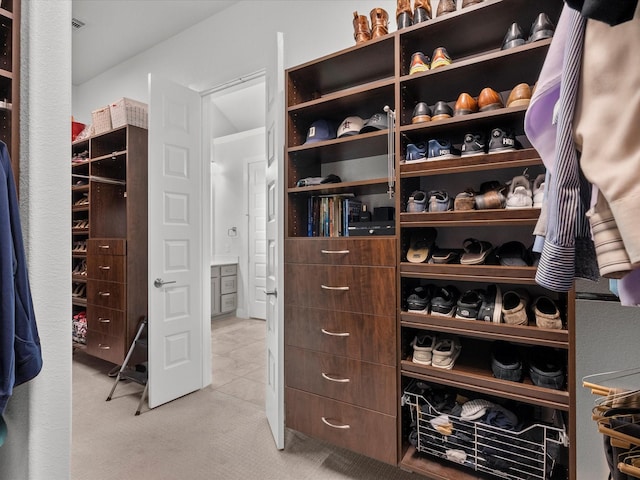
pixel 176 253
pixel 274 401
pixel 257 240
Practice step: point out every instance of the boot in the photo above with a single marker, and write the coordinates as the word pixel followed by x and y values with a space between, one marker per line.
pixel 421 10
pixel 446 6
pixel 361 30
pixel 404 16
pixel 379 22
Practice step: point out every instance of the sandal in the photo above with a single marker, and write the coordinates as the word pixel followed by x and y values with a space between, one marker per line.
pixel 513 254
pixel 445 256
pixel 421 243
pixel 475 251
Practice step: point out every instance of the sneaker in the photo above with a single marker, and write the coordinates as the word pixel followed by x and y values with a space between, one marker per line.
pixel 473 144
pixel 546 368
pixel 541 28
pixel 468 306
pixel 491 308
pixel 445 352
pixel 465 200
pixel 502 141
pixel 440 58
pixel 423 346
pixel 441 149
pixel 416 151
pixel 546 313
pixel 538 191
pixel 441 111
pixel 421 113
pixel 465 104
pixel 419 63
pixel 505 362
pixel 443 301
pixel 519 195
pixel 514 307
pixel 418 301
pixel 439 201
pixel 417 202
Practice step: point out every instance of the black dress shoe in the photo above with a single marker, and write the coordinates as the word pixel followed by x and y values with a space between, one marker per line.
pixel 541 28
pixel 514 37
pixel 441 110
pixel 421 113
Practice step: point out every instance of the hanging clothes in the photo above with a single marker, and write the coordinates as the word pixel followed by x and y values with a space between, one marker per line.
pixel 20 351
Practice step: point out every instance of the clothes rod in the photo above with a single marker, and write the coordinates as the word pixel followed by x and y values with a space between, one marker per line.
pixel 599 297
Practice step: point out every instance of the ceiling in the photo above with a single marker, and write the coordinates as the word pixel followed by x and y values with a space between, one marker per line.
pixel 116 30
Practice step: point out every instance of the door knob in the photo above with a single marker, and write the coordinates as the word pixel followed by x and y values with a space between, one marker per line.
pixel 158 282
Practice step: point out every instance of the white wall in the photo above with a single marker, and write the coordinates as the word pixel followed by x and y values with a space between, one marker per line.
pixel 39 412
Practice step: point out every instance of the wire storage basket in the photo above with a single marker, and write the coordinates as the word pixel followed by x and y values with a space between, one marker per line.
pixel 527 454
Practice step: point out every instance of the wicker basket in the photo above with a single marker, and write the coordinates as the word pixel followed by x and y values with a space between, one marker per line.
pixel 129 112
pixel 101 120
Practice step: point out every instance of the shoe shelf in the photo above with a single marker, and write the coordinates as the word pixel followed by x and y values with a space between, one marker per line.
pixel 431 467
pixel 376 185
pixel 80 302
pixel 479 273
pixel 471 218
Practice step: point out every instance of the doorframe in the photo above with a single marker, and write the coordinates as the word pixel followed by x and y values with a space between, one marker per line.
pixel 250 236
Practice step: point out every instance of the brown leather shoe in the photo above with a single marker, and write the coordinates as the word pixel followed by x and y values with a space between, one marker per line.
pixel 465 105
pixel 379 22
pixel 468 3
pixel 404 15
pixel 421 11
pixel 489 99
pixel 361 30
pixel 520 96
pixel 446 6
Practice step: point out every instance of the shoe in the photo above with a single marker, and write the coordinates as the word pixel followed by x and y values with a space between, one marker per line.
pixel 446 6
pixel 443 301
pixel 416 151
pixel 513 254
pixel 546 368
pixel 361 30
pixel 514 37
pixel 441 110
pixel 465 105
pixel 445 352
pixel 468 305
pixel 379 23
pixel 418 301
pixel 442 256
pixel 465 201
pixel 546 313
pixel 475 251
pixel 491 308
pixel 505 362
pixel 514 307
pixel 502 141
pixel 441 149
pixel 419 63
pixel 519 195
pixel 421 244
pixel 439 201
pixel 417 202
pixel 541 28
pixel 538 191
pixel 489 99
pixel 520 96
pixel 404 15
pixel 473 144
pixel 468 3
pixel 421 11
pixel 440 58
pixel 423 346
pixel 421 113
pixel 491 200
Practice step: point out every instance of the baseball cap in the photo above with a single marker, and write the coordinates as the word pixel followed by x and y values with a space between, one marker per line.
pixel 377 121
pixel 320 130
pixel 350 126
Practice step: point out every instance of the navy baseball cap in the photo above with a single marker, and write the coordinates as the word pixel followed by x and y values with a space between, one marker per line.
pixel 377 121
pixel 320 130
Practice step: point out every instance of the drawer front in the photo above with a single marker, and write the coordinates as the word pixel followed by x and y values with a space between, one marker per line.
pixel 215 272
pixel 105 321
pixel 227 302
pixel 364 251
pixel 107 246
pixel 363 384
pixel 370 433
pixel 105 346
pixel 228 284
pixel 351 289
pixel 106 294
pixel 228 270
pixel 370 338
pixel 111 268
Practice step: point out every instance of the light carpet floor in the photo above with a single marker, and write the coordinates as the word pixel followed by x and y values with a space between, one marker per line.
pixel 220 432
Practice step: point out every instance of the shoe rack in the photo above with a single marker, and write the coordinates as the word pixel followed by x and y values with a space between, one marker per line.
pixel 10 81
pixel 109 248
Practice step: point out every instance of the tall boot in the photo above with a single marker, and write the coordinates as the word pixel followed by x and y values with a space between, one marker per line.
pixel 404 15
pixel 421 11
pixel 361 30
pixel 379 22
pixel 446 6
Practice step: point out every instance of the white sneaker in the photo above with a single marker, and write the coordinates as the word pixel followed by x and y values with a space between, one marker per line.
pixel 538 191
pixel 520 195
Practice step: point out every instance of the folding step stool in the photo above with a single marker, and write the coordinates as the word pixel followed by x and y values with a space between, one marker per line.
pixel 128 373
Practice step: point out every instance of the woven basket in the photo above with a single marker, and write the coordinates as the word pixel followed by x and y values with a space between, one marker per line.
pixel 101 120
pixel 129 112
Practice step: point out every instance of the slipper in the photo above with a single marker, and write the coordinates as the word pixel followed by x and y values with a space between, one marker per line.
pixel 445 256
pixel 513 254
pixel 475 251
pixel 420 246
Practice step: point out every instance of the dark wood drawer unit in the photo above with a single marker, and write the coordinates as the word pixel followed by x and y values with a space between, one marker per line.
pixel 105 321
pixel 107 246
pixel 340 251
pixel 364 337
pixel 110 268
pixel 106 294
pixel 107 347
pixel 358 429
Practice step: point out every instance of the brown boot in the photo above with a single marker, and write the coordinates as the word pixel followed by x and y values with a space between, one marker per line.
pixel 361 30
pixel 404 15
pixel 421 11
pixel 379 22
pixel 446 6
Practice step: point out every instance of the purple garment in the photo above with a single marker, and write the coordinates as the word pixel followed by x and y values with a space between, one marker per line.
pixel 629 289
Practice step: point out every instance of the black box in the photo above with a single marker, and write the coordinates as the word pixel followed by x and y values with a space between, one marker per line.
pixel 384 214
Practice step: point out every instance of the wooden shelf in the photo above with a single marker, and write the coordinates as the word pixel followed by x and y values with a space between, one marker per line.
pixel 377 185
pixel 479 273
pixel 471 218
pixel 80 302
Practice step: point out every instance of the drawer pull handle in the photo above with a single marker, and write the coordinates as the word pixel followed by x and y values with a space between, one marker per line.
pixel 337 380
pixel 104 320
pixel 326 287
pixel 338 252
pixel 104 267
pixel 327 422
pixel 104 347
pixel 104 246
pixel 333 334
pixel 104 294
